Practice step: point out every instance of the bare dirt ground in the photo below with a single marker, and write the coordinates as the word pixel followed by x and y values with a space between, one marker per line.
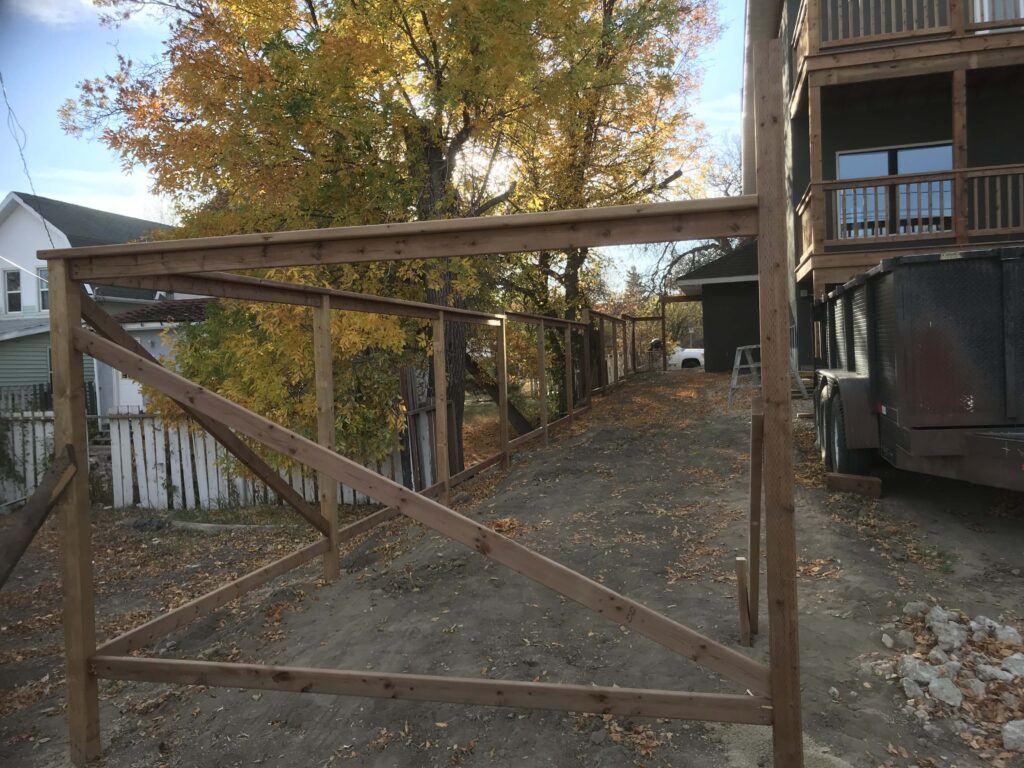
pixel 648 494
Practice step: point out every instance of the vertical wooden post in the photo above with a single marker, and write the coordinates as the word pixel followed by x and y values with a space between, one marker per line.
pixel 664 336
pixel 960 155
pixel 615 353
pixel 602 368
pixel 956 16
pixel 75 525
pixel 818 231
pixel 587 340
pixel 754 519
pixel 542 380
pixel 501 373
pixel 323 363
pixel 813 27
pixel 632 341
pixel 773 286
pixel 568 372
pixel 440 408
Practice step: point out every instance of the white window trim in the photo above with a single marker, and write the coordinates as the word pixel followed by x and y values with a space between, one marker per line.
pixel 43 286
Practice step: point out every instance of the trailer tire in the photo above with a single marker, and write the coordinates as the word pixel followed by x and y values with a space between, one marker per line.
pixel 847 461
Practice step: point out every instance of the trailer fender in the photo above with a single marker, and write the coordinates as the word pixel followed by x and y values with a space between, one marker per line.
pixel 859 418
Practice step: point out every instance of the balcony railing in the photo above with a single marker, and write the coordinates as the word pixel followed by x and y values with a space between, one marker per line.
pixel 959 207
pixel 852 22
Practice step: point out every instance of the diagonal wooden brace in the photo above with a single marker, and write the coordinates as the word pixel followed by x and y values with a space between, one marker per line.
pixel 109 328
pixel 622 610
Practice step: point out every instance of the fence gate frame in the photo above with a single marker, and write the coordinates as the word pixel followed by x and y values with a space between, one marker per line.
pixel 203 266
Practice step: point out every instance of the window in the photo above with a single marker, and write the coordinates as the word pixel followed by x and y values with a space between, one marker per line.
pixel 12 290
pixel 43 275
pixel 913 207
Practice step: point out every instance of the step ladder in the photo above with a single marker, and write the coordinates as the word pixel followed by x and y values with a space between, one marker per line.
pixel 746 372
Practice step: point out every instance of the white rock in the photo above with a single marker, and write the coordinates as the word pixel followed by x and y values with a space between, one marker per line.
pixel 1014 664
pixel 915 608
pixel 887 640
pixel 1008 635
pixel 944 690
pixel 949 634
pixel 917 670
pixel 983 624
pixel 1013 735
pixel 938 616
pixel 989 673
pixel 911 689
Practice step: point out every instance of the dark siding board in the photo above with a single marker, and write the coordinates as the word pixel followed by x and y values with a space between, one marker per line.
pixel 730 320
pixel 995 110
pixel 860 329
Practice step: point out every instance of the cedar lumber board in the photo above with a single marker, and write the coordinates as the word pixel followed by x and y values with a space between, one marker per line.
pixel 109 328
pixel 865 485
pixel 743 602
pixel 774 278
pixel 26 521
pixel 455 690
pixel 613 606
pixel 754 512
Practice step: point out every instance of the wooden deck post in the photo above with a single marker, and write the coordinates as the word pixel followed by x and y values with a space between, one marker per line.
pixel 568 372
pixel 754 519
pixel 664 336
pixel 602 367
pixel 819 233
pixel 773 285
pixel 73 507
pixel 956 17
pixel 542 380
pixel 960 153
pixel 440 409
pixel 323 360
pixel 587 337
pixel 615 353
pixel 632 340
pixel 501 374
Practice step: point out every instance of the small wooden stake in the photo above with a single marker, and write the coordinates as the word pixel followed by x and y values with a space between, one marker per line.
pixel 73 507
pixel 323 360
pixel 865 485
pixel 743 601
pixel 501 373
pixel 440 408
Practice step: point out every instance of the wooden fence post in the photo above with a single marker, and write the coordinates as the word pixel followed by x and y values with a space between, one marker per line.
pixel 664 335
pixel 773 286
pixel 615 352
pixel 754 518
pixel 323 361
pixel 587 331
pixel 602 368
pixel 76 532
pixel 440 408
pixel 542 380
pixel 501 373
pixel 632 339
pixel 568 372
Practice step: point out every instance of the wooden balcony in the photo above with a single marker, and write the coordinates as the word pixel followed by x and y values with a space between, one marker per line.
pixel 826 25
pixel 967 207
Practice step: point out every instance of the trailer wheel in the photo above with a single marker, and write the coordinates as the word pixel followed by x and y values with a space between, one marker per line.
pixel 847 461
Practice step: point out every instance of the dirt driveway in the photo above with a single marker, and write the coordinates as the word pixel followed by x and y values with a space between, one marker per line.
pixel 648 495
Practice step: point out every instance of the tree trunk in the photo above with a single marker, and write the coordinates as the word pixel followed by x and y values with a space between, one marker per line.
pixel 486 382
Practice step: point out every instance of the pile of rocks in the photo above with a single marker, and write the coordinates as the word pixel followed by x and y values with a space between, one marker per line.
pixel 969 672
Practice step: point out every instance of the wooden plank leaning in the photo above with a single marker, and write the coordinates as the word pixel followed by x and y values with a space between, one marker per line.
pixel 754 518
pixel 110 329
pixel 613 606
pixel 26 521
pixel 729 708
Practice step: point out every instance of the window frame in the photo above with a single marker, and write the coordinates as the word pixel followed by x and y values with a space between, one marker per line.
pixel 43 288
pixel 7 293
pixel 892 151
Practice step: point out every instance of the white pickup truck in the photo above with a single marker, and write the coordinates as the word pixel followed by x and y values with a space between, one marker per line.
pixel 686 358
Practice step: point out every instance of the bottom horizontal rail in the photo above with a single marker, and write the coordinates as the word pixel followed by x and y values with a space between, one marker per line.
pixel 633 702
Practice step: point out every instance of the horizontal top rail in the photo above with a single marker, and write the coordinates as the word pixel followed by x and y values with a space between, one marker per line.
pixel 587 227
pixel 532 318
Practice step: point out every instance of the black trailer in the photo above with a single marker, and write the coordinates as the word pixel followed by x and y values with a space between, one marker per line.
pixel 921 360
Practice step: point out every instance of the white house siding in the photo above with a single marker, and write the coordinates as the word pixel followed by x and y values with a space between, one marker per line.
pixel 118 392
pixel 22 234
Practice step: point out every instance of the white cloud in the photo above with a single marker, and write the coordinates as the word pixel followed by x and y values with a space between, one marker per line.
pixel 56 12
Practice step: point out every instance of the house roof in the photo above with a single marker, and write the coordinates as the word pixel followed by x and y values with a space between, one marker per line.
pixel 16 327
pixel 174 311
pixel 88 226
pixel 738 266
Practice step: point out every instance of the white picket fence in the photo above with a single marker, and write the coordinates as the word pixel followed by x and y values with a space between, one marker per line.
pixel 29 447
pixel 158 465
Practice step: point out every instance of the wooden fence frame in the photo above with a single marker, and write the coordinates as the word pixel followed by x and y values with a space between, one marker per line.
pixel 772 692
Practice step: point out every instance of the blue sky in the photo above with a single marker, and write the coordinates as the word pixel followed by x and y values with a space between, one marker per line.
pixel 47 46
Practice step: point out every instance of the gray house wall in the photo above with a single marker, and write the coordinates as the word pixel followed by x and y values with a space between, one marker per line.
pixel 730 320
